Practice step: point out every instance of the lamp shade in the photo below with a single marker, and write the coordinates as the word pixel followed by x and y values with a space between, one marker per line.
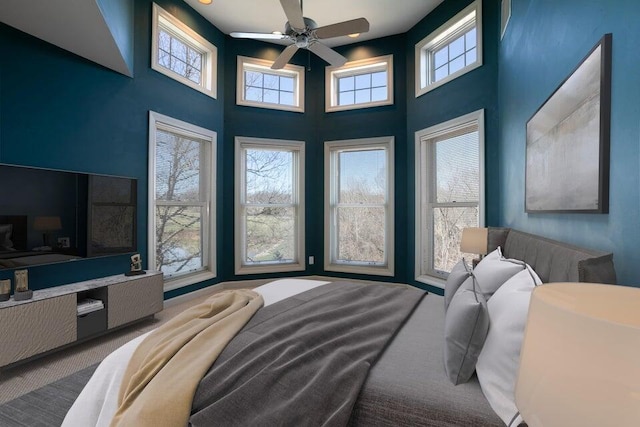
pixel 474 240
pixel 47 223
pixel 580 358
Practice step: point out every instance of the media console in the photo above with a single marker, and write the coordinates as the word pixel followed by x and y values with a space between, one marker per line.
pixel 51 319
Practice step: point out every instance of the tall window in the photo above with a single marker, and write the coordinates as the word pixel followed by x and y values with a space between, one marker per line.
pixel 181 201
pixel 269 205
pixel 260 86
pixel 182 54
pixel 359 206
pixel 449 192
pixel 360 84
pixel 451 51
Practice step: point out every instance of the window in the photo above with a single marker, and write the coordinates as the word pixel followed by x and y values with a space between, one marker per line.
pixel 359 206
pixel 360 84
pixel 449 193
pixel 181 201
pixel 182 54
pixel 451 51
pixel 260 86
pixel 269 206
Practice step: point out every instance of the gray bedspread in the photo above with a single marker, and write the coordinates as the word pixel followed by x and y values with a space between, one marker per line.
pixel 408 386
pixel 302 361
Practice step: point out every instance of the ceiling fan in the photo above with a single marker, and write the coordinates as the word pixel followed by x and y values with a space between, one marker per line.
pixel 305 34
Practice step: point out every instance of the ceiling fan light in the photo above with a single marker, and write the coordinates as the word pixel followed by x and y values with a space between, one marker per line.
pixel 277 33
pixel 205 1
pixel 354 35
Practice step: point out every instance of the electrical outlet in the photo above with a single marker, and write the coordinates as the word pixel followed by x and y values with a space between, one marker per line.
pixel 311 260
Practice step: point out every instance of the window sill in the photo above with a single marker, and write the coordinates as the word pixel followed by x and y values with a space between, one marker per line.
pixel 360 269
pixel 187 279
pixel 421 91
pixel 270 268
pixel 431 281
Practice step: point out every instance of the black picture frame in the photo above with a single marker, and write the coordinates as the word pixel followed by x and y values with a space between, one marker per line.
pixel 568 139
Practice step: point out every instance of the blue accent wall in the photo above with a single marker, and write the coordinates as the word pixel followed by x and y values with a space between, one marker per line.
pixel 314 126
pixel 470 92
pixel 544 42
pixel 61 111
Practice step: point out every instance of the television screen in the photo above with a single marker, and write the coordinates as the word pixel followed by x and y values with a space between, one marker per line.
pixel 52 216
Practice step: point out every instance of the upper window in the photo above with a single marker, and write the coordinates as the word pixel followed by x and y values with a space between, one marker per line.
pixel 360 84
pixel 182 54
pixel 449 193
pixel 451 51
pixel 181 201
pixel 359 206
pixel 260 86
pixel 269 205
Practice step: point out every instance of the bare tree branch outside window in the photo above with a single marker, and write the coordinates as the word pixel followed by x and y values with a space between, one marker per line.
pixel 178 203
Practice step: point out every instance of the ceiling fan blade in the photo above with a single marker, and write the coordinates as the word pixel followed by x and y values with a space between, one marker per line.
pixel 360 25
pixel 284 57
pixel 328 54
pixel 264 36
pixel 293 10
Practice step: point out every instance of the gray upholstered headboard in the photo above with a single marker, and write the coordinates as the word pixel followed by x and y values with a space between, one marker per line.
pixel 553 261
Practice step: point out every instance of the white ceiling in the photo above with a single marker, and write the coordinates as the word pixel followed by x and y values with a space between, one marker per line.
pixel 79 26
pixel 386 17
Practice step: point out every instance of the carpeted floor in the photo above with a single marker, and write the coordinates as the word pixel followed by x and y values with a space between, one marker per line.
pixel 46 406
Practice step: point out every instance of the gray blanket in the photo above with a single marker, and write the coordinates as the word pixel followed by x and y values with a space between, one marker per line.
pixel 302 361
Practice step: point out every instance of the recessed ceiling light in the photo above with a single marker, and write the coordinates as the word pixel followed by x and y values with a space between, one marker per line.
pixel 354 35
pixel 205 1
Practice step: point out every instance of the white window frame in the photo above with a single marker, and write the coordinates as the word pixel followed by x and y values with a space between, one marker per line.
pixel 331 177
pixel 442 36
pixel 424 187
pixel 180 30
pixel 364 66
pixel 264 66
pixel 208 169
pixel 297 148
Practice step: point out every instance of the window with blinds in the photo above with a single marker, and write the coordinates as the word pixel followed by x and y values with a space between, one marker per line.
pixel 181 217
pixel 450 191
pixel 269 208
pixel 359 206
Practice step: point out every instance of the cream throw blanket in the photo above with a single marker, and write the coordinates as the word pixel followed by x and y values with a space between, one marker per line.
pixel 165 370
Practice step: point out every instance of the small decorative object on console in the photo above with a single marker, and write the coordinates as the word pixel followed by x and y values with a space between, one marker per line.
pixel 136 266
pixel 22 285
pixel 5 289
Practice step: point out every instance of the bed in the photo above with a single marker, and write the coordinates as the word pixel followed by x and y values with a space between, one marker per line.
pixel 14 252
pixel 407 384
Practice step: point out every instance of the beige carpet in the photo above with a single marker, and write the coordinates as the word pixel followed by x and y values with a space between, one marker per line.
pixel 29 376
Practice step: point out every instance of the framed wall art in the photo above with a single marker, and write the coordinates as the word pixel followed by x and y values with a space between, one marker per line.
pixel 567 153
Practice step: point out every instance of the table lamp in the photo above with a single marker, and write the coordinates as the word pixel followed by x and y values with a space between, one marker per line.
pixel 47 224
pixel 580 358
pixel 474 241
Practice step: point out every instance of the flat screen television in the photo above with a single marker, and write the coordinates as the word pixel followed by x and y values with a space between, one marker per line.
pixel 49 216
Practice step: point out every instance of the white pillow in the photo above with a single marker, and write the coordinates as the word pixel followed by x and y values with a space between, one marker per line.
pixel 459 273
pixel 465 328
pixel 498 362
pixel 494 270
